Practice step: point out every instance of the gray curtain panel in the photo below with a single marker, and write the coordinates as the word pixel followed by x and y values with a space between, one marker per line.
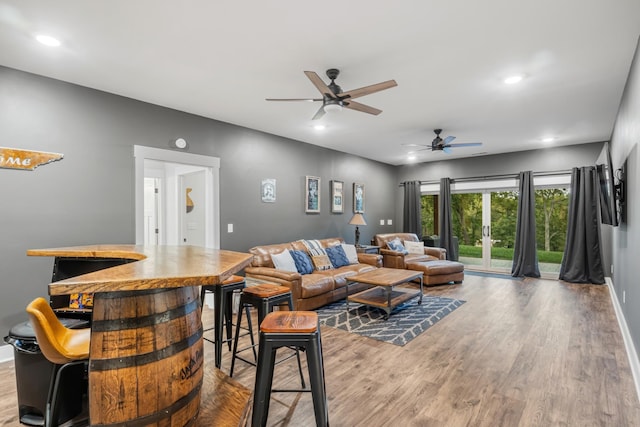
pixel 412 219
pixel 446 223
pixel 525 256
pixel 581 262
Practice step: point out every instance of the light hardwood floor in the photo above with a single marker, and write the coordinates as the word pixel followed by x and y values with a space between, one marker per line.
pixel 518 353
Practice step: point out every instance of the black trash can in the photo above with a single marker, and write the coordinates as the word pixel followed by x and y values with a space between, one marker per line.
pixel 33 377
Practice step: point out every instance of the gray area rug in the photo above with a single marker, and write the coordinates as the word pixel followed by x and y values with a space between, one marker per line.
pixel 406 321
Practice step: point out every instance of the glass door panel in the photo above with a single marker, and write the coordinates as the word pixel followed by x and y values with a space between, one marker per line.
pixel 503 206
pixel 552 207
pixel 466 212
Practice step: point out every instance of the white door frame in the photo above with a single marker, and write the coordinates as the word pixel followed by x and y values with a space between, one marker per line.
pixel 141 153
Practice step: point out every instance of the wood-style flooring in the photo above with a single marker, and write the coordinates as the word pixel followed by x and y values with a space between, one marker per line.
pixel 518 353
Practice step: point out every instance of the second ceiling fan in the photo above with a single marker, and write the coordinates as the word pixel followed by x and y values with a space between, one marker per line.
pixel 333 98
pixel 445 145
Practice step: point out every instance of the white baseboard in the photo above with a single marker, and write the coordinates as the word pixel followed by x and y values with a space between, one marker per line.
pixel 6 353
pixel 626 336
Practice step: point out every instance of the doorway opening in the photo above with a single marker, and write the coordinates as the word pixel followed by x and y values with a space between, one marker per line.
pixel 167 180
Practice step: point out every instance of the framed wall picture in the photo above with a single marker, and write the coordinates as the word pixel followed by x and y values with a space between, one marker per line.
pixel 358 198
pixel 337 199
pixel 268 190
pixel 312 194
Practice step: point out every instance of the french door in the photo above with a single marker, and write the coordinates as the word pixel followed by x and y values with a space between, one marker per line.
pixel 484 223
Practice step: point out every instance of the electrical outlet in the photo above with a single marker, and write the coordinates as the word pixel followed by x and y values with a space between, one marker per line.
pixel 612 269
pixel 389 222
pixel 382 222
pixel 229 228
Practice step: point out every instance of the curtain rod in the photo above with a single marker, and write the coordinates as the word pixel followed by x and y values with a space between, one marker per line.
pixel 503 176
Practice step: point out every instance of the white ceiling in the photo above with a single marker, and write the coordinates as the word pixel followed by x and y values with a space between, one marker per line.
pixel 222 58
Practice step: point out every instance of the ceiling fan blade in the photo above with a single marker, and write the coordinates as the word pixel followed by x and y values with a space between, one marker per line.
pixel 466 144
pixel 447 149
pixel 361 107
pixel 320 84
pixel 293 99
pixel 319 113
pixel 448 139
pixel 356 93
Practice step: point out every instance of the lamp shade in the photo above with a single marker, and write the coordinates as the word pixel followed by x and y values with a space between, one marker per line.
pixel 358 219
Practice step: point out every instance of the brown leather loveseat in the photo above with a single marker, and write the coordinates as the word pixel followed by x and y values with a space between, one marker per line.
pixel 432 262
pixel 318 288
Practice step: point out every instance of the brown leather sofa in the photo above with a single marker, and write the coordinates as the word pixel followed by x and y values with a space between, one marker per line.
pixel 433 263
pixel 313 290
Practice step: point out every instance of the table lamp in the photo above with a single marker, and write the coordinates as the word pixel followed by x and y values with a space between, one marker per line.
pixel 357 219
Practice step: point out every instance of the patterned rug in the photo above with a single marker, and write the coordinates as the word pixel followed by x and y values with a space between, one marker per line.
pixel 406 321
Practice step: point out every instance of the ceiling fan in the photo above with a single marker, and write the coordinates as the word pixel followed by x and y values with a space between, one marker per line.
pixel 334 99
pixel 439 144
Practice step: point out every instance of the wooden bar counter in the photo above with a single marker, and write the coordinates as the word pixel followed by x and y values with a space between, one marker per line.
pixel 146 356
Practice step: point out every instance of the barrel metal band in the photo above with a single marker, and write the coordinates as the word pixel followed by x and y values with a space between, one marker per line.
pixel 144 321
pixel 146 358
pixel 128 294
pixel 159 415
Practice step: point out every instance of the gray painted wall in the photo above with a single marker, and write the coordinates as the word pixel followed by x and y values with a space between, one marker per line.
pixel 88 197
pixel 626 237
pixel 542 160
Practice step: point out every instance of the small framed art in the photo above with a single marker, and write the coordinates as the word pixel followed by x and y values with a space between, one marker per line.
pixel 337 199
pixel 268 190
pixel 312 194
pixel 358 198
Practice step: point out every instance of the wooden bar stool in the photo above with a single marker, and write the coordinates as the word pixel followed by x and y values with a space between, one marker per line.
pixel 63 347
pixel 265 297
pixel 289 329
pixel 223 306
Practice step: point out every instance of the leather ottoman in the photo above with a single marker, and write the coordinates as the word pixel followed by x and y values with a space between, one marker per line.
pixel 438 272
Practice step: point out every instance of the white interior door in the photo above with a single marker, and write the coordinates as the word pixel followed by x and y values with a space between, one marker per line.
pixel 152 211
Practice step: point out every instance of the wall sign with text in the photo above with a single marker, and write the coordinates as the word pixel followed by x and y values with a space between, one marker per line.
pixel 14 158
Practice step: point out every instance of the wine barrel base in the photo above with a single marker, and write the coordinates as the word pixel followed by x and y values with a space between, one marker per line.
pixel 147 358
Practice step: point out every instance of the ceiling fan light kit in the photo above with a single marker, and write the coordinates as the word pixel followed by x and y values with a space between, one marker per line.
pixel 334 99
pixel 332 106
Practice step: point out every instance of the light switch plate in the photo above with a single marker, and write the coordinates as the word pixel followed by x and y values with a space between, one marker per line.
pixel 389 222
pixel 382 222
pixel 229 228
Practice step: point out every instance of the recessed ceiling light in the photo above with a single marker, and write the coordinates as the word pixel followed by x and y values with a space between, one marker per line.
pixel 319 127
pixel 548 139
pixel 511 80
pixel 48 40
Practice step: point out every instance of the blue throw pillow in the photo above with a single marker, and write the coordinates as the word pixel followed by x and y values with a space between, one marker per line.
pixel 337 256
pixel 302 261
pixel 396 245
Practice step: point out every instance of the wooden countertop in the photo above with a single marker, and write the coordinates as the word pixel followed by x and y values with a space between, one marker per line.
pixel 155 267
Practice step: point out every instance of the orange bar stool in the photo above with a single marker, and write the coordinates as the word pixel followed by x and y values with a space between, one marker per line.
pixel 265 297
pixel 289 329
pixel 62 346
pixel 222 306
